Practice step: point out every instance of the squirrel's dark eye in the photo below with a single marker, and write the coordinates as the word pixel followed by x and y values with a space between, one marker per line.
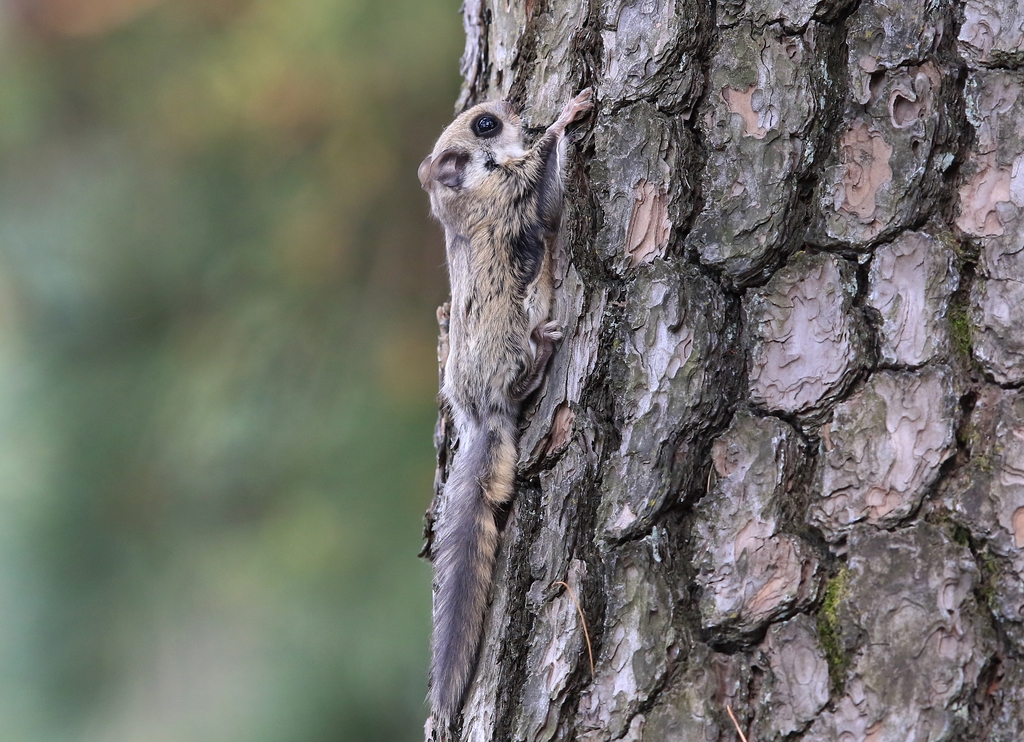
pixel 486 125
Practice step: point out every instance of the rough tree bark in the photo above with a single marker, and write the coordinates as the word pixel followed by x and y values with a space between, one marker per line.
pixel 779 457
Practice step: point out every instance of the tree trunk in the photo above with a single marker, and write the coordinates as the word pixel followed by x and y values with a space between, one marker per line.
pixel 779 458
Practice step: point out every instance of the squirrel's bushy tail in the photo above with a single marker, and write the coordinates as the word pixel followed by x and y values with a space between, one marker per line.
pixel 465 542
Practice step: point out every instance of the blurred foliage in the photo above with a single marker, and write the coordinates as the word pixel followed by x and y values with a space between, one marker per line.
pixel 217 366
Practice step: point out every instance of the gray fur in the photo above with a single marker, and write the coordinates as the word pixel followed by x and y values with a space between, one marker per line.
pixel 465 542
pixel 500 206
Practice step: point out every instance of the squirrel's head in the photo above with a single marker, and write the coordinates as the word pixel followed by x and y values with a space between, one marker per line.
pixel 474 145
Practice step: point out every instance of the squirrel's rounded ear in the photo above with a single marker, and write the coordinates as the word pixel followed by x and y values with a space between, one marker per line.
pixel 424 170
pixel 448 167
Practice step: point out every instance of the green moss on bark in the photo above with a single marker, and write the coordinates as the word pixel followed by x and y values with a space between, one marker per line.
pixel 830 629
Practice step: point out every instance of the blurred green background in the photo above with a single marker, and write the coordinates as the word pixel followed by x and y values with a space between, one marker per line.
pixel 217 366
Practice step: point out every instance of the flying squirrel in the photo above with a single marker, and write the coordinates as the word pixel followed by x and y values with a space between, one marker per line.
pixel 501 206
